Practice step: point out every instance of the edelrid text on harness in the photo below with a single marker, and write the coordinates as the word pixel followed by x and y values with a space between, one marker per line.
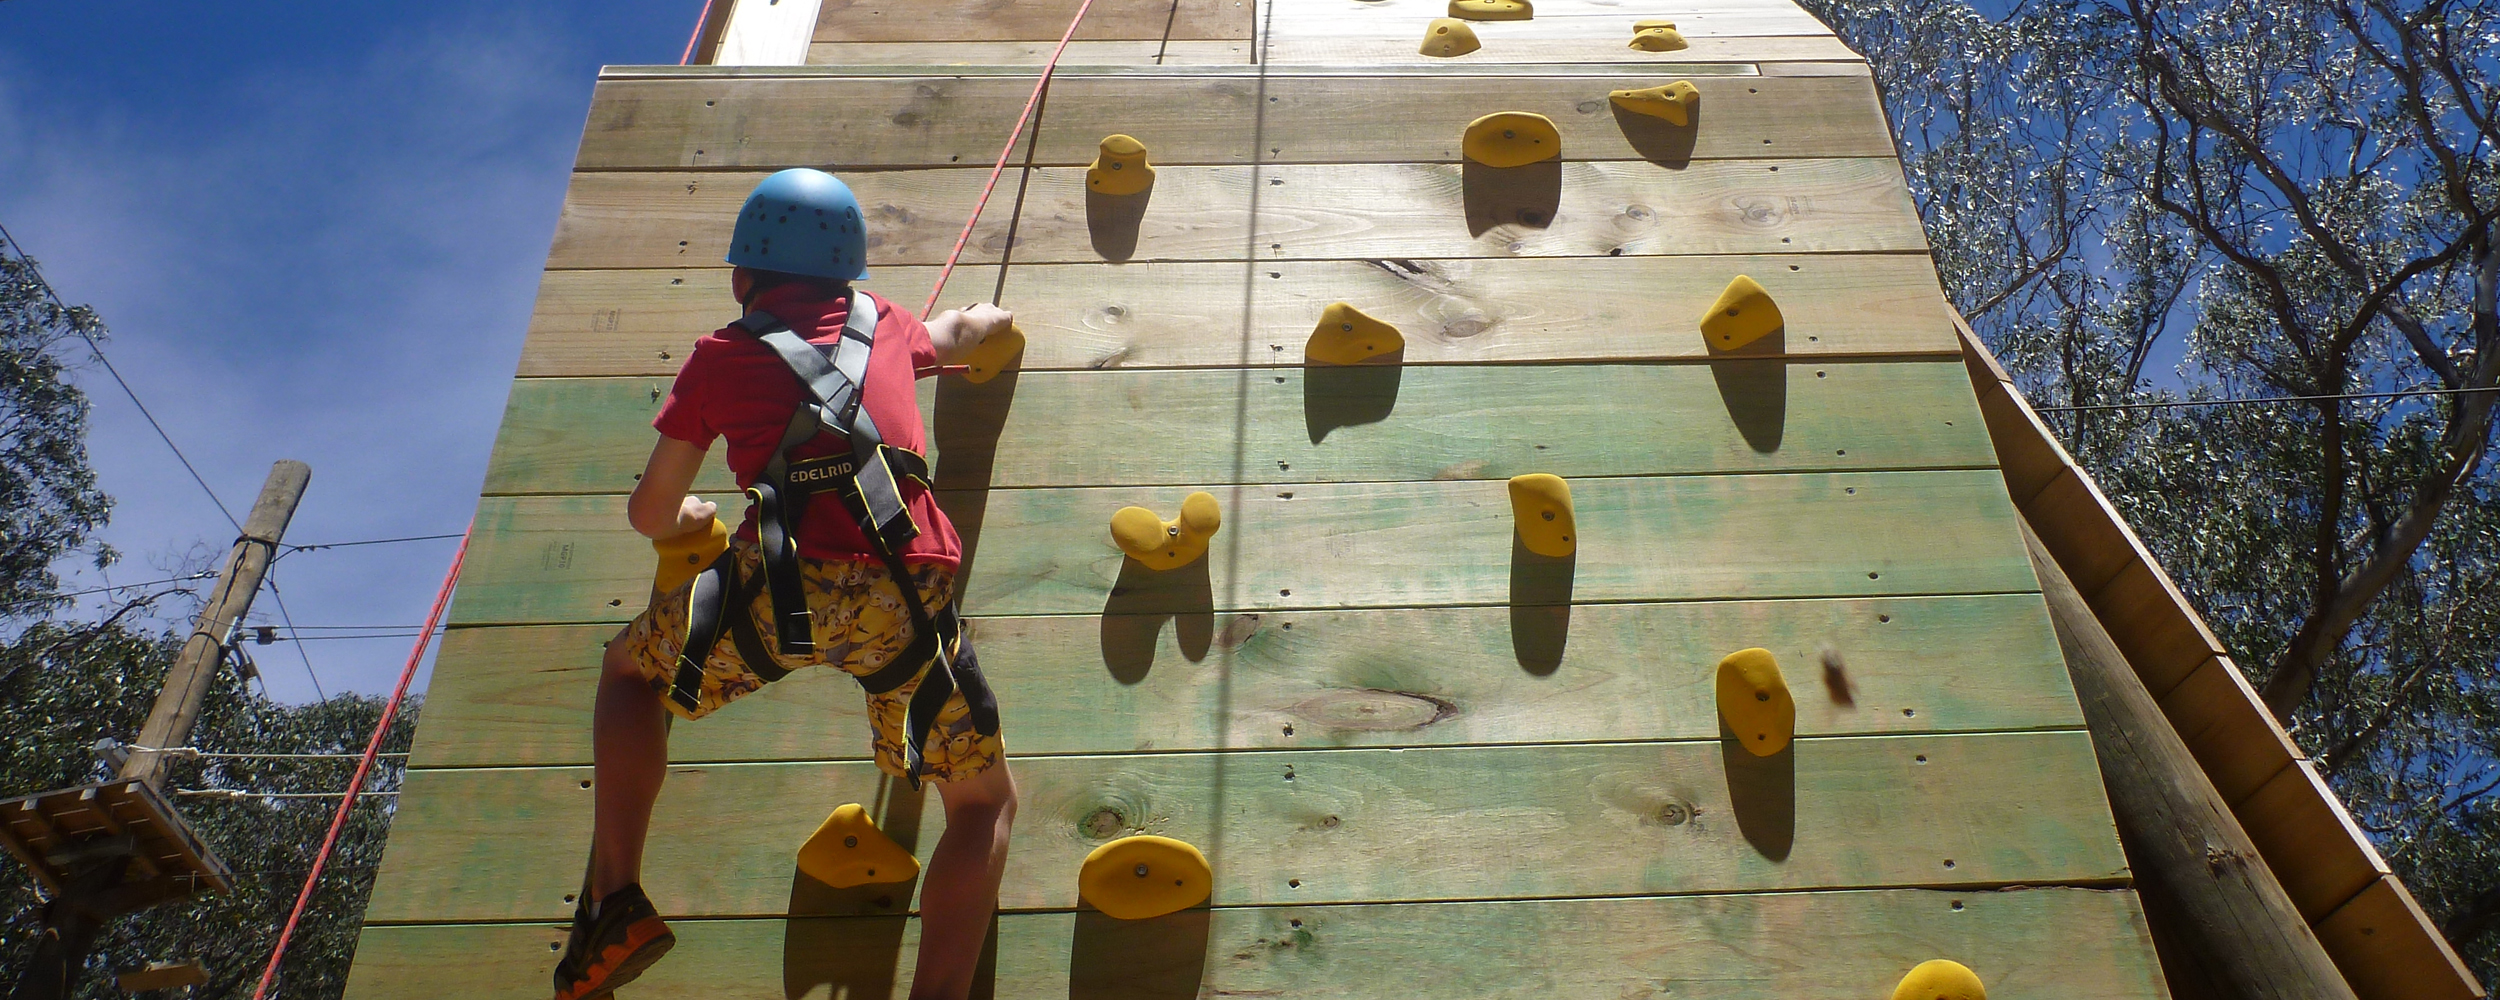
pixel 868 480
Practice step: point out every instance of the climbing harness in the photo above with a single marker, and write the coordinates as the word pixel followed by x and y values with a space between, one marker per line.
pixel 868 479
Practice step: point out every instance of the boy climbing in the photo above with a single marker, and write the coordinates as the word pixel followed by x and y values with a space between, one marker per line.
pixel 844 560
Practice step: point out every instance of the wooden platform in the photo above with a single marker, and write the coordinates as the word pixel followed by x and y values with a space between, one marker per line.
pixel 1420 759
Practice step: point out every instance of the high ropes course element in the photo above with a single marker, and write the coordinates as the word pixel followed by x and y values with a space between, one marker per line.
pixel 1485 499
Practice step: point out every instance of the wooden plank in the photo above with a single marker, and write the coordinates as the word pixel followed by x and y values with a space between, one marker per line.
pixel 1031 53
pixel 853 123
pixel 1613 28
pixel 2151 621
pixel 954 20
pixel 2297 819
pixel 1404 677
pixel 2026 449
pixel 2234 738
pixel 570 559
pixel 1326 51
pixel 1090 316
pixel 2079 944
pixel 1303 211
pixel 1367 423
pixel 2388 948
pixel 1834 68
pixel 767 33
pixel 1317 827
pixel 2091 542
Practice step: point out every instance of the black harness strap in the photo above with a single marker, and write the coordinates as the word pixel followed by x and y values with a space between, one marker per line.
pixel 868 481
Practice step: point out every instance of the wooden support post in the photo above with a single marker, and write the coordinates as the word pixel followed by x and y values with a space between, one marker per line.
pixel 186 685
pixel 2205 889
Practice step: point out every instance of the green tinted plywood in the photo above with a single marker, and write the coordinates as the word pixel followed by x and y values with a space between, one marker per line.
pixel 1323 826
pixel 1089 316
pixel 1330 424
pixel 570 559
pixel 2077 944
pixel 920 121
pixel 1304 211
pixel 1312 679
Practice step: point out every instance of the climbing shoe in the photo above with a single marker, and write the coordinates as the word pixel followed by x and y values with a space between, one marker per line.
pixel 610 949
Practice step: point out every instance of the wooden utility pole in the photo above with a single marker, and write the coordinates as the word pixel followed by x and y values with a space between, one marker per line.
pixel 186 685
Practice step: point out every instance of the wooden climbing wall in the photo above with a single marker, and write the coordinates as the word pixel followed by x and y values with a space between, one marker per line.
pixel 1421 759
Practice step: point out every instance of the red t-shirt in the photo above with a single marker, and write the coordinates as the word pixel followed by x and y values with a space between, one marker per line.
pixel 733 386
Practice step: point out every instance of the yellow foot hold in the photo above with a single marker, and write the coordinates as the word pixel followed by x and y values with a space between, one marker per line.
pixel 1511 139
pixel 849 850
pixel 1542 504
pixel 1345 336
pixel 1657 36
pixel 997 354
pixel 1743 314
pixel 1161 544
pixel 1449 36
pixel 1674 102
pixel 1135 878
pixel 1121 168
pixel 685 555
pixel 1940 979
pixel 1492 10
pixel 1754 702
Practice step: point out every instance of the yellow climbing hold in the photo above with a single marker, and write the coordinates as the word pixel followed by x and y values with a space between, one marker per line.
pixel 1492 10
pixel 1657 36
pixel 1940 979
pixel 1161 544
pixel 1743 314
pixel 1754 702
pixel 1345 336
pixel 1120 168
pixel 849 850
pixel 1674 102
pixel 1449 36
pixel 1135 878
pixel 993 355
pixel 684 556
pixel 1542 505
pixel 1511 139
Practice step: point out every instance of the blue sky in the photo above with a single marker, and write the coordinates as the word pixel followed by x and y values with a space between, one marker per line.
pixel 316 231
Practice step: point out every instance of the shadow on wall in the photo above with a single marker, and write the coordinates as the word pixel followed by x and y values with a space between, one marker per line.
pixel 1762 792
pixel 1511 196
pixel 1338 396
pixel 1753 385
pixel 1540 607
pixel 1162 958
pixel 1141 601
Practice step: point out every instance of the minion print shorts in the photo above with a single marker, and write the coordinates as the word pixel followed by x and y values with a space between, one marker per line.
pixel 860 625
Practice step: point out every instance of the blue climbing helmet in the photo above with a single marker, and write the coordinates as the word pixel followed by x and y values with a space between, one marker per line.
pixel 802 221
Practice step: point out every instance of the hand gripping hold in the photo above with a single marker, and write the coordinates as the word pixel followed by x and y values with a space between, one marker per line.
pixel 1161 544
pixel 999 353
pixel 1136 878
pixel 1940 979
pixel 1345 336
pixel 849 850
pixel 1542 504
pixel 684 556
pixel 1754 702
pixel 1743 314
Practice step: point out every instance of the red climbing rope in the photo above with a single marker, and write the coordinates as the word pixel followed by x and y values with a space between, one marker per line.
pixel 373 747
pixel 699 21
pixel 1009 150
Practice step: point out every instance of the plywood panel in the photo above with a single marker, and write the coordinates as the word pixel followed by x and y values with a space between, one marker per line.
pixel 1090 316
pixel 852 123
pixel 1292 546
pixel 1182 52
pixel 1615 28
pixel 1334 211
pixel 2074 943
pixel 2302 831
pixel 955 20
pixel 1334 424
pixel 2388 949
pixel 1324 827
pixel 1325 679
